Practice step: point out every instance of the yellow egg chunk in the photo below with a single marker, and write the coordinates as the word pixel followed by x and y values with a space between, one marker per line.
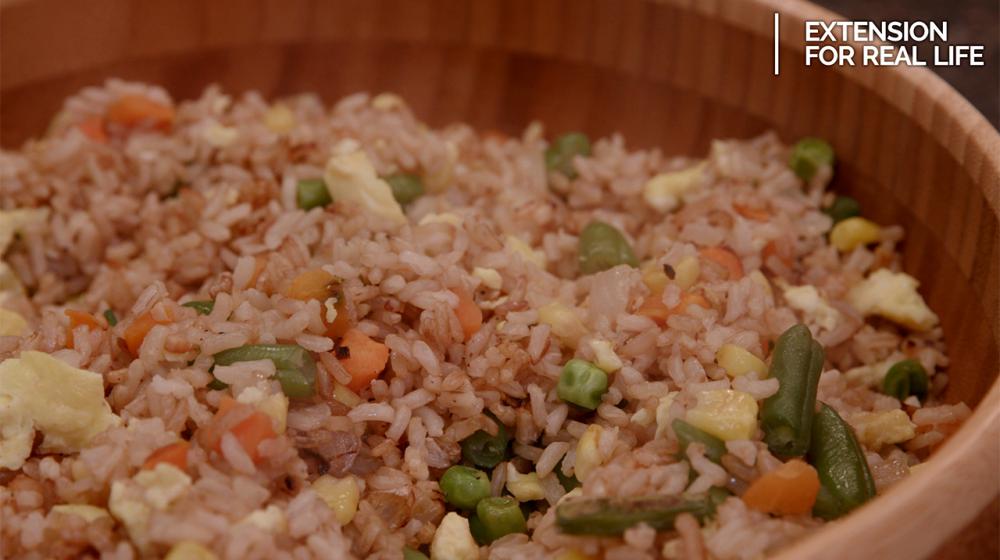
pixel 876 429
pixel 524 487
pixel 516 245
pixel 453 540
pixel 726 414
pixel 565 324
pixel 852 232
pixel 666 191
pixel 11 323
pixel 739 361
pixel 341 494
pixel 351 177
pixel 893 295
pixel 39 392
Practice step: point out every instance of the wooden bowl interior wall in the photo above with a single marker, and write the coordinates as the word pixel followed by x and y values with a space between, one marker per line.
pixel 669 74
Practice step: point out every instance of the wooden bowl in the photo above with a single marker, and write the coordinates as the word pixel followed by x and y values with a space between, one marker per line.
pixel 672 74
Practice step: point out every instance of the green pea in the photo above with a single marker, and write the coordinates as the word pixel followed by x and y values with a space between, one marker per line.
pixel 463 487
pixel 484 449
pixel 311 193
pixel 296 369
pixel 499 517
pixel 687 434
pixel 582 383
pixel 413 554
pixel 602 247
pixel 559 156
pixel 111 317
pixel 843 207
pixel 906 378
pixel 203 307
pixel 406 187
pixel 808 156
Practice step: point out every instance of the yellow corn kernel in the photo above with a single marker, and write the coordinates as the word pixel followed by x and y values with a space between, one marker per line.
pixel 726 414
pixel 653 276
pixel 279 118
pixel 605 356
pixel 563 321
pixel 524 487
pixel 345 396
pixel 876 429
pixel 588 457
pixel 190 550
pixel 686 272
pixel 666 191
pixel 850 233
pixel 739 361
pixel 341 494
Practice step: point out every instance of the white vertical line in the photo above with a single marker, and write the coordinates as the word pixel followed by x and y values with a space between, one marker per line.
pixel 776 41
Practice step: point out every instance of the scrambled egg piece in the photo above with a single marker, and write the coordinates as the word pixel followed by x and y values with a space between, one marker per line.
pixel 490 277
pixel 158 488
pixel 453 540
pixel 190 550
pixel 270 519
pixel 739 361
pixel 666 191
pixel 517 245
pixel 588 456
pixel 605 356
pixel 13 222
pixel 341 494
pixel 87 512
pixel 893 295
pixel 563 321
pixel 663 413
pixel 279 118
pixel 726 414
pixel 524 487
pixel 275 406
pixel 807 300
pixel 350 176
pixel 11 323
pixel 870 375
pixel 876 429
pixel 39 392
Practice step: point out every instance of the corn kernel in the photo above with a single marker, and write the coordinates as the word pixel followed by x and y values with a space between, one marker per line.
pixel 588 457
pixel 524 487
pixel 850 233
pixel 739 361
pixel 653 277
pixel 605 356
pixel 726 414
pixel 563 321
pixel 876 429
pixel 666 191
pixel 686 272
pixel 190 550
pixel 341 494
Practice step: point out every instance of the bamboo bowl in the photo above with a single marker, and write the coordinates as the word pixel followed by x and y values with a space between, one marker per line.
pixel 673 74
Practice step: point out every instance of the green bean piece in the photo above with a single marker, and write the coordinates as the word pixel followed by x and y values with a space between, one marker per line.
pixel 485 450
pixel 311 193
pixel 499 517
pixel 905 378
pixel 808 156
pixel 463 487
pixel 217 385
pixel 203 307
pixel 296 368
pixel 843 207
pixel 406 187
pixel 559 156
pixel 612 516
pixel 110 316
pixel 413 554
pixel 582 383
pixel 787 416
pixel 845 481
pixel 602 247
pixel 687 434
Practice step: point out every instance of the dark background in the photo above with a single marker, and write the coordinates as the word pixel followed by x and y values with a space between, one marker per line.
pixel 970 22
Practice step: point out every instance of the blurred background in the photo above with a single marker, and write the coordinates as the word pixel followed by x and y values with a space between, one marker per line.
pixel 970 22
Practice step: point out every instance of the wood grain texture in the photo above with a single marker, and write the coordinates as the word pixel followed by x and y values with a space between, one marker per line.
pixel 673 74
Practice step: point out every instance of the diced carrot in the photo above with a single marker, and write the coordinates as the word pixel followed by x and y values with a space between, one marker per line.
pixel 654 308
pixel 468 313
pixel 252 431
pixel 132 110
pixel 726 258
pixel 136 332
pixel 175 454
pixel 321 285
pixel 365 359
pixel 77 318
pixel 752 213
pixel 93 128
pixel 790 489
